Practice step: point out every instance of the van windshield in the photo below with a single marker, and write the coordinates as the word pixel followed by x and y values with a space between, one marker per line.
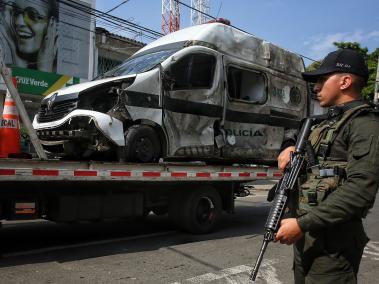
pixel 140 64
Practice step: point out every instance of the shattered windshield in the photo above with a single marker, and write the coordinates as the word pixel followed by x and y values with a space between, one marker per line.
pixel 140 64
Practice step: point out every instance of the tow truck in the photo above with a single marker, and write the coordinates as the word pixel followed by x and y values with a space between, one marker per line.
pixel 193 194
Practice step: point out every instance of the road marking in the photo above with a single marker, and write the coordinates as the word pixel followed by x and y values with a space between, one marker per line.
pixel 87 244
pixel 238 275
pixel 373 245
pixel 208 277
pixel 268 272
pixel 371 250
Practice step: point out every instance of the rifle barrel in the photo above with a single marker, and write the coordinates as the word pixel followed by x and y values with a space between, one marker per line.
pixel 254 272
pixel 303 135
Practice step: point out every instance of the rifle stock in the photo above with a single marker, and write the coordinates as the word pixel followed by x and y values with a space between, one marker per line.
pixel 285 185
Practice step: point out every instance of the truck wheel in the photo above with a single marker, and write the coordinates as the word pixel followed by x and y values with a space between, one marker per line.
pixel 200 211
pixel 142 144
pixel 160 211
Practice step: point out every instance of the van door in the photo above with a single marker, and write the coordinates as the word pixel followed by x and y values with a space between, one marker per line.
pixel 251 135
pixel 288 103
pixel 192 102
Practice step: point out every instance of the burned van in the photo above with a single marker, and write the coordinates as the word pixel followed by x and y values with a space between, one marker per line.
pixel 208 92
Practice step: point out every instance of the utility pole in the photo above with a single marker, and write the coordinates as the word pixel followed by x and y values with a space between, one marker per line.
pixel 170 16
pixel 6 74
pixel 197 13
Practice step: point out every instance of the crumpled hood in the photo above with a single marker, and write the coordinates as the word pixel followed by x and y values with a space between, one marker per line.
pixel 83 86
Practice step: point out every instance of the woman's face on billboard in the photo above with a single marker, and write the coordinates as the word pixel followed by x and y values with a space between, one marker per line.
pixel 30 20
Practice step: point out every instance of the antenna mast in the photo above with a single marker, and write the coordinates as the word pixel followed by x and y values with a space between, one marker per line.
pixel 170 16
pixel 197 16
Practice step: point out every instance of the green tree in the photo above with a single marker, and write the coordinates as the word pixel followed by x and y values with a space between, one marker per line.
pixel 313 66
pixel 352 45
pixel 372 63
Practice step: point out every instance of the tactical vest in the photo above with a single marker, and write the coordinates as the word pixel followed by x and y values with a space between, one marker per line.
pixel 320 181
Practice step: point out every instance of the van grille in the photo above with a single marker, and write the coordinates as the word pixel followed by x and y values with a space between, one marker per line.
pixel 58 111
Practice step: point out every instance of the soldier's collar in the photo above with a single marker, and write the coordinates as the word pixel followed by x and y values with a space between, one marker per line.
pixel 337 110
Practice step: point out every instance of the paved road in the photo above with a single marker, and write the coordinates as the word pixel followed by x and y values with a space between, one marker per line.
pixel 153 252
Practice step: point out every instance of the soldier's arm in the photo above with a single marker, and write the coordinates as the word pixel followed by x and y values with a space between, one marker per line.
pixel 288 146
pixel 353 199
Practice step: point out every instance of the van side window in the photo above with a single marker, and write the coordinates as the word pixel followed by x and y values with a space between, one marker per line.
pixel 194 71
pixel 246 85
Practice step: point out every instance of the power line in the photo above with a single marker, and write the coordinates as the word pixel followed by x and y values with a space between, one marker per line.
pixel 192 8
pixel 107 20
pixel 64 10
pixel 114 8
pixel 196 17
pixel 110 18
pixel 76 26
pixel 111 26
pixel 119 23
pixel 214 18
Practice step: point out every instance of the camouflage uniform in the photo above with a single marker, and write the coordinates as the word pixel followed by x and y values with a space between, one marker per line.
pixel 336 196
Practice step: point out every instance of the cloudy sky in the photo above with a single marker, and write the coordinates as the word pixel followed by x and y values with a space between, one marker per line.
pixel 307 27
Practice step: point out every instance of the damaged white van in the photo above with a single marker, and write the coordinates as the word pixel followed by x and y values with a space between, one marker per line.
pixel 209 92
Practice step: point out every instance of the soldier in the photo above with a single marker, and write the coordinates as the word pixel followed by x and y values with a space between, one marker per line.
pixel 327 231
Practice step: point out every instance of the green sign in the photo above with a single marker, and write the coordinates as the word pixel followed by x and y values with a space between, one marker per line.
pixel 30 81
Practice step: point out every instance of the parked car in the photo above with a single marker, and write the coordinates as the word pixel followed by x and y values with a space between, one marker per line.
pixel 208 92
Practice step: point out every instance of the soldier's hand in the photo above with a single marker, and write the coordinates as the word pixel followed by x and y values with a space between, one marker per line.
pixel 289 232
pixel 284 157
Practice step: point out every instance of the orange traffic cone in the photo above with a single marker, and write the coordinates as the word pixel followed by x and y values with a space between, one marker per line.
pixel 9 128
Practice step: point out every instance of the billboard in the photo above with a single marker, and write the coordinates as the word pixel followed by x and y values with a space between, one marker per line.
pixel 36 82
pixel 48 35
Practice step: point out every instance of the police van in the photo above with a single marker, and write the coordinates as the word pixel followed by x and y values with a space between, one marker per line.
pixel 209 92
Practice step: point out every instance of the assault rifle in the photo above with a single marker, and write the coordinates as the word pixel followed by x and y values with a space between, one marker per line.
pixel 283 189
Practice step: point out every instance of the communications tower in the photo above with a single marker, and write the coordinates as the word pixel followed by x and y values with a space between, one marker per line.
pixel 170 16
pixel 197 16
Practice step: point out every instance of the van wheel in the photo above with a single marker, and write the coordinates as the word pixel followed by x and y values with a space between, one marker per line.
pixel 200 211
pixel 142 144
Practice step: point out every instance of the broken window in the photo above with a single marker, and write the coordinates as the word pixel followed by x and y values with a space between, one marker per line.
pixel 105 64
pixel 194 71
pixel 140 63
pixel 246 85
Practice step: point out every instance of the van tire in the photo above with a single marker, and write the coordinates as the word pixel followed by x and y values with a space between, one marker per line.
pixel 142 144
